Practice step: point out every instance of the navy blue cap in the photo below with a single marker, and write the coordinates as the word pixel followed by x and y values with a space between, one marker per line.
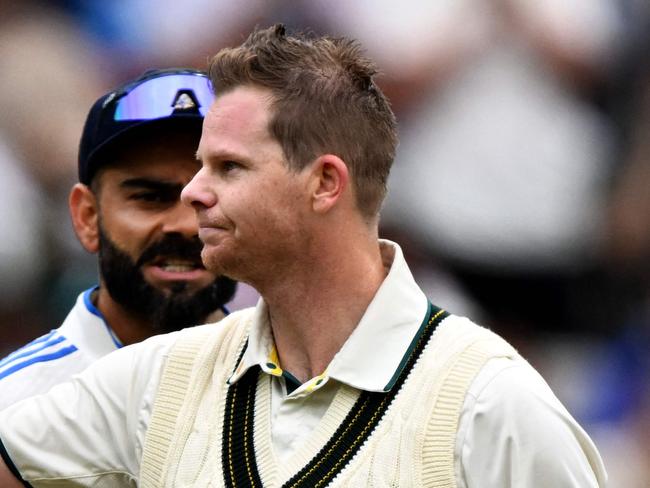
pixel 166 96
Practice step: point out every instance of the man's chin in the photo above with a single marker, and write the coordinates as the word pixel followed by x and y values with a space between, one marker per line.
pixel 176 289
pixel 221 262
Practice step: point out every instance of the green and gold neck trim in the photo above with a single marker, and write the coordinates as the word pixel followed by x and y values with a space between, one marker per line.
pixel 238 449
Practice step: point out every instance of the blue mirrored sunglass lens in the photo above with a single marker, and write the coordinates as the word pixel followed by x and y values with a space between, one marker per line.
pixel 156 97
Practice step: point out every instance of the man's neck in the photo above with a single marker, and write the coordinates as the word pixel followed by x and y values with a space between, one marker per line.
pixel 313 312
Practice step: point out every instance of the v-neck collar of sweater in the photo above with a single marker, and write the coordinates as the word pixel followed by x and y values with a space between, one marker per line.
pixel 350 420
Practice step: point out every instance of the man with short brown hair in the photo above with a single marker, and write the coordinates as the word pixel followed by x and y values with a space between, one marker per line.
pixel 344 374
pixel 324 100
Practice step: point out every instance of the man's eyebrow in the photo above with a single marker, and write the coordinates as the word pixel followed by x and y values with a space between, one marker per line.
pixel 221 155
pixel 150 184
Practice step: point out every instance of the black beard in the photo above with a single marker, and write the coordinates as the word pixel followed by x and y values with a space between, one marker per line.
pixel 166 312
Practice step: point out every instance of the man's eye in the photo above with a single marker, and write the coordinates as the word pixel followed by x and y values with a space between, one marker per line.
pixel 152 197
pixel 228 166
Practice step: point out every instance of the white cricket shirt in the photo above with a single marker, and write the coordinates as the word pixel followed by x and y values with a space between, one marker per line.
pixel 54 357
pixel 513 432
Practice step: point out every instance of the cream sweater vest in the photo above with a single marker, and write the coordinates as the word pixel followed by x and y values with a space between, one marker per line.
pixel 411 445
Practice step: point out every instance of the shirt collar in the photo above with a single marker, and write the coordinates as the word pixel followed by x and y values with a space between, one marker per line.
pixel 373 355
pixel 260 344
pixel 85 327
pixel 90 307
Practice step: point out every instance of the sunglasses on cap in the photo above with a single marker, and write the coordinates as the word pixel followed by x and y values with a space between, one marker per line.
pixel 162 96
pixel 169 96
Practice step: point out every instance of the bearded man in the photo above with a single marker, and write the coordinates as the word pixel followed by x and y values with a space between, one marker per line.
pixel 137 152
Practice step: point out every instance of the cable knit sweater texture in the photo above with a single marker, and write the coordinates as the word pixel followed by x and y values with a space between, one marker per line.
pixel 412 445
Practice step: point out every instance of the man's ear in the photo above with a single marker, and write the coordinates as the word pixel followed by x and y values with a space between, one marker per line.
pixel 84 211
pixel 330 179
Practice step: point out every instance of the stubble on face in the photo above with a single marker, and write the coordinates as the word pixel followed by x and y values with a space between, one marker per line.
pixel 256 253
pixel 255 227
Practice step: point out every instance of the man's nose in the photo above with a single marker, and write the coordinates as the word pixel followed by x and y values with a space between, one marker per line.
pixel 198 193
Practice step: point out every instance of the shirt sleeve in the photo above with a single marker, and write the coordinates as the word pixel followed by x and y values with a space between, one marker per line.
pixel 88 431
pixel 514 432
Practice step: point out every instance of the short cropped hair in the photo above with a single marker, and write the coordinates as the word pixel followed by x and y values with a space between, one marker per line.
pixel 325 101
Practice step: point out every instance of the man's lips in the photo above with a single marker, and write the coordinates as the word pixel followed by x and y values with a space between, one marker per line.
pixel 175 269
pixel 208 233
pixel 182 263
pixel 216 223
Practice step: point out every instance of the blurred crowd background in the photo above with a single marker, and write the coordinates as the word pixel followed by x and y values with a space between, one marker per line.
pixel 520 193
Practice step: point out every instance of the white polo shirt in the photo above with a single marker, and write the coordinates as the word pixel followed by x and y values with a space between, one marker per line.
pixel 512 431
pixel 54 357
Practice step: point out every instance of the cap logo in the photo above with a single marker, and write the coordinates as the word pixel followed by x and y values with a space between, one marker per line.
pixel 184 101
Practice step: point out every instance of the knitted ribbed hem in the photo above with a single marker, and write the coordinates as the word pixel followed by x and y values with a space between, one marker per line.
pixel 190 364
pixel 440 439
pixel 169 400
